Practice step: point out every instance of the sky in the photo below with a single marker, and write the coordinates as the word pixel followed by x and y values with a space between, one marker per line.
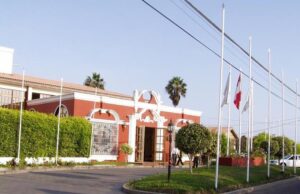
pixel 132 47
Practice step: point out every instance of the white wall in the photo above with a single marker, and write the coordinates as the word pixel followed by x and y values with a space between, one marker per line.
pixel 6 60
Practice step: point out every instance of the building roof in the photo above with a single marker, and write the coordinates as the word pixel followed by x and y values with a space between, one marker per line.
pixel 54 85
pixel 214 129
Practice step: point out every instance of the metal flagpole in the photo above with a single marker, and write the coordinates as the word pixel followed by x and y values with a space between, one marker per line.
pixel 250 107
pixel 269 113
pixel 92 134
pixel 240 121
pixel 282 120
pixel 21 116
pixel 220 99
pixel 58 121
pixel 229 111
pixel 296 126
pixel 266 121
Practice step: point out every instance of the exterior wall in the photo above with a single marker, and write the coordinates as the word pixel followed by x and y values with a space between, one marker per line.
pixel 50 108
pixel 135 114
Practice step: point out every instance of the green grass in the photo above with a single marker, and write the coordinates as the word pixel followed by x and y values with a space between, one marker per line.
pixel 202 180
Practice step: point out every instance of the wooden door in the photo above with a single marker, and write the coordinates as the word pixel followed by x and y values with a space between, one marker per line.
pixel 140 142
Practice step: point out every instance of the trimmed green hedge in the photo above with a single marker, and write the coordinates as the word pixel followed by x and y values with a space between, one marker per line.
pixel 38 137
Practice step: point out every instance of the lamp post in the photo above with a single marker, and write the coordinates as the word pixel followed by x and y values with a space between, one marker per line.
pixel 170 130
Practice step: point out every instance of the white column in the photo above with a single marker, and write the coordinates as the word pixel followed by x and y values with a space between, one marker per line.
pixel 131 137
pixel 29 93
pixel 92 116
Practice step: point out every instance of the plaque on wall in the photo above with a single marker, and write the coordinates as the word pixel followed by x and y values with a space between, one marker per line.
pixel 105 139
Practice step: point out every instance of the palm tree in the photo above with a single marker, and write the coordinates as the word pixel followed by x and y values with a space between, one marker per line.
pixel 176 88
pixel 95 81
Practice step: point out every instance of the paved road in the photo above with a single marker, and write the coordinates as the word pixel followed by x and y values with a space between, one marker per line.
pixel 289 186
pixel 76 181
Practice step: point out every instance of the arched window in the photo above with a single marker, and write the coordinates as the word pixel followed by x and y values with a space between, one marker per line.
pixel 64 111
pixel 32 110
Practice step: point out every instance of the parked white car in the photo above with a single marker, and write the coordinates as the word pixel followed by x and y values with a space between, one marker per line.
pixel 289 161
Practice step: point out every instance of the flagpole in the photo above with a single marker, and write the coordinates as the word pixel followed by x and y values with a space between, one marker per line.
pixel 282 119
pixel 220 99
pixel 21 117
pixel 92 134
pixel 229 111
pixel 240 120
pixel 252 108
pixel 266 129
pixel 296 126
pixel 249 111
pixel 58 121
pixel 240 130
pixel 269 114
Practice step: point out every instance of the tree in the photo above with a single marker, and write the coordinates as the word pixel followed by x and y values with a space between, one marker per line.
pixel 298 148
pixel 258 139
pixel 273 149
pixel 95 81
pixel 176 88
pixel 127 150
pixel 243 144
pixel 213 145
pixel 193 139
pixel 288 146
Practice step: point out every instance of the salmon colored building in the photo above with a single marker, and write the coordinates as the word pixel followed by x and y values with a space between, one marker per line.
pixel 138 121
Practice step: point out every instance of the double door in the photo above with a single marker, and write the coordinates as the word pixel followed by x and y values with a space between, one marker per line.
pixel 149 144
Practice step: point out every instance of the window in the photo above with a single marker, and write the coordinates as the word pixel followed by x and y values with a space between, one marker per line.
pixel 39 96
pixel 10 98
pixel 105 138
pixel 159 144
pixel 64 111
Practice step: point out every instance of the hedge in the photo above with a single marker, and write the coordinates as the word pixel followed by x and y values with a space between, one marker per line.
pixel 38 137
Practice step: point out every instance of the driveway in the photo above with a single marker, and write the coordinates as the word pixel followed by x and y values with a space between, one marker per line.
pixel 107 180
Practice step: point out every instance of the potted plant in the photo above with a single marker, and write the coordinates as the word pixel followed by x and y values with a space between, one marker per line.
pixel 126 150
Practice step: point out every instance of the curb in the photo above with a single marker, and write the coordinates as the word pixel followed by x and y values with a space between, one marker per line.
pixel 128 190
pixel 259 187
pixel 48 169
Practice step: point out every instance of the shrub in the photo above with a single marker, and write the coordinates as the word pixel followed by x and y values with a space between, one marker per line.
pixel 126 149
pixel 38 138
pixel 193 139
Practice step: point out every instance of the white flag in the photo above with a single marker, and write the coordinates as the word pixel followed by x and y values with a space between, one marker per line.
pixel 246 106
pixel 227 91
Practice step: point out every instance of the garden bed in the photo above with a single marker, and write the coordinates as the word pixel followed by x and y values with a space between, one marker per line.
pixel 202 180
pixel 241 161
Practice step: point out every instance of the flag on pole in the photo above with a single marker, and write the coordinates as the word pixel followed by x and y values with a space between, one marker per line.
pixel 226 92
pixel 238 94
pixel 246 106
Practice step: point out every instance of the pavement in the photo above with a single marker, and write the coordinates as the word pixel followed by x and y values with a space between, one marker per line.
pixel 108 180
pixel 87 181
pixel 287 186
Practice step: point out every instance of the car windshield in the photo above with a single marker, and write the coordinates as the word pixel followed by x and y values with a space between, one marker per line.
pixel 286 157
